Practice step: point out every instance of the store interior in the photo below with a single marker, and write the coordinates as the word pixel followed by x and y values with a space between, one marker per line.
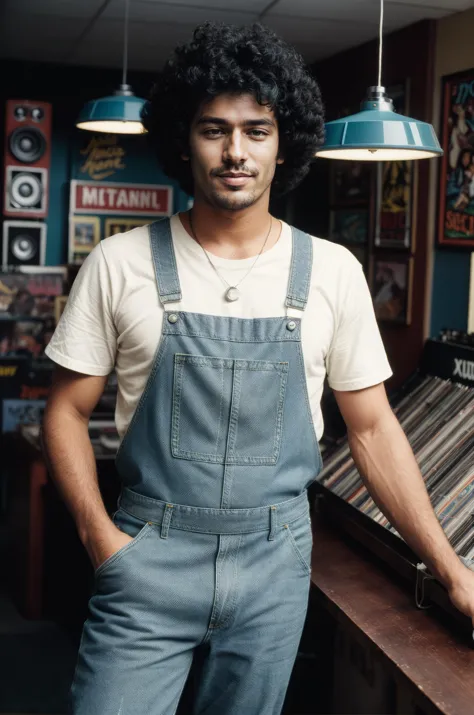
pixel 381 636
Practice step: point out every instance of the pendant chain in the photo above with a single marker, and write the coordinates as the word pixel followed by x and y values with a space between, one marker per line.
pixel 223 280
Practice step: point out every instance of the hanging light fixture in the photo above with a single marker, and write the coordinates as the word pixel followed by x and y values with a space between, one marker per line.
pixel 119 113
pixel 377 132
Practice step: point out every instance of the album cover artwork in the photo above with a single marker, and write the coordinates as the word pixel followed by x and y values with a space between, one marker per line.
pixel 27 338
pixel 30 291
pixel 21 412
pixel 438 419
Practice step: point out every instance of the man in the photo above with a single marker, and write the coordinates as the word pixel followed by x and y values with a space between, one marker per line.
pixel 221 324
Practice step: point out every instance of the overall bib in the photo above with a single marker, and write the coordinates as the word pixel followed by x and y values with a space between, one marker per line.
pixel 215 466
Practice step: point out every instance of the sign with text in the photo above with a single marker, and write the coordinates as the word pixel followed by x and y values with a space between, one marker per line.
pixel 120 199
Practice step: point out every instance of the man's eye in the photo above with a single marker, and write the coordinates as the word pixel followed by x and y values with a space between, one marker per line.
pixel 258 133
pixel 213 132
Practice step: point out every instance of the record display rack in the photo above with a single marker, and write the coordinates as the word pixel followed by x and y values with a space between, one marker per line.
pixel 436 410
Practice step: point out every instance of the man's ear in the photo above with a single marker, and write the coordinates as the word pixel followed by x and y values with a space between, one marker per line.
pixel 280 160
pixel 184 157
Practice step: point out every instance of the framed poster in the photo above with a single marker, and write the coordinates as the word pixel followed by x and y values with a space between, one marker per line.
pixel 350 183
pixel 120 225
pixel 394 196
pixel 393 227
pixel 392 288
pixel 456 182
pixel 349 225
pixel 59 305
pixel 84 235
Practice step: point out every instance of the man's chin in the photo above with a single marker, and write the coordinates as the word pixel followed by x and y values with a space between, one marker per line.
pixel 234 201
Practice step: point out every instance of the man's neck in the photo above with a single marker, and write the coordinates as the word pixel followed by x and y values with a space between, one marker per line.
pixel 232 234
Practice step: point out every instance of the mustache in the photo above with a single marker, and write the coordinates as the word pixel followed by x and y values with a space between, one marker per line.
pixel 233 169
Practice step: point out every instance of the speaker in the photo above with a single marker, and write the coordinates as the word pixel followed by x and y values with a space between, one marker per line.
pixel 24 243
pixel 27 158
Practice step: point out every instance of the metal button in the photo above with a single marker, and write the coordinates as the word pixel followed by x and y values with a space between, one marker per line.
pixel 291 325
pixel 173 318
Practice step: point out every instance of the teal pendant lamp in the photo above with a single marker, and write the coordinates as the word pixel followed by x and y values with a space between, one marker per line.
pixel 377 132
pixel 119 113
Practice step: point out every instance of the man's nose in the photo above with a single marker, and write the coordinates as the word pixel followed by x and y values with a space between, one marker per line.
pixel 235 151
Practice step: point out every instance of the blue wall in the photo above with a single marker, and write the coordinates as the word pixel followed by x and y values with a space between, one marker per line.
pixel 450 293
pixel 67 88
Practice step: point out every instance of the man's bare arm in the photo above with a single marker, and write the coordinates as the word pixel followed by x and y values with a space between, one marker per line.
pixel 71 460
pixel 389 470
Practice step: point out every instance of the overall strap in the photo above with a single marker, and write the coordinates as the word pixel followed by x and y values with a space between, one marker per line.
pixel 300 271
pixel 164 260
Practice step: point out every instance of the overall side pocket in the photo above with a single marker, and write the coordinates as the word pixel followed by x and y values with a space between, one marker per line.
pixel 126 524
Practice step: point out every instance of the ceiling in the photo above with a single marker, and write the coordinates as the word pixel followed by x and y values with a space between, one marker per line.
pixel 90 32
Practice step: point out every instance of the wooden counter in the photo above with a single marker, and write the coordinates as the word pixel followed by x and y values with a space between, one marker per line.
pixel 427 664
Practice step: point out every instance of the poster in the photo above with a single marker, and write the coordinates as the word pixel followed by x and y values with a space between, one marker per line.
pixel 393 225
pixel 101 209
pixel 394 196
pixel 21 412
pixel 350 183
pixel 30 291
pixel 456 186
pixel 392 284
pixel 349 225
pixel 59 305
pixel 121 225
pixel 25 338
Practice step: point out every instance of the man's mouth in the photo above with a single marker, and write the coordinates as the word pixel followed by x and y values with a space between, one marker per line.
pixel 234 178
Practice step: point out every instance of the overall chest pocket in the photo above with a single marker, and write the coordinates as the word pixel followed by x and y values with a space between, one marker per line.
pixel 227 411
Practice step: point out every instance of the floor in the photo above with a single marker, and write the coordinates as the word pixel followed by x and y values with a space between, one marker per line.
pixel 36 664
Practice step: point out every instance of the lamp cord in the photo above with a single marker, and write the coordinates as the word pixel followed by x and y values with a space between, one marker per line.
pixel 125 45
pixel 380 43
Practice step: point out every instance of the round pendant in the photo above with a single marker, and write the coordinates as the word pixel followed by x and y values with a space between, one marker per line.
pixel 232 294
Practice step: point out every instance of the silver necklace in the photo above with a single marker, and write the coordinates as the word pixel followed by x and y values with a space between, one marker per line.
pixel 232 293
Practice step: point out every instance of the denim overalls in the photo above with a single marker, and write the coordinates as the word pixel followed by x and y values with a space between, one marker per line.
pixel 215 467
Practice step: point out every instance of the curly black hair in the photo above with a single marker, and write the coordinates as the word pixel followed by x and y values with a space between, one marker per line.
pixel 224 58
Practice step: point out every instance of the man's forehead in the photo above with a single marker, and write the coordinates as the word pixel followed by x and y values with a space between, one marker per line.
pixel 235 108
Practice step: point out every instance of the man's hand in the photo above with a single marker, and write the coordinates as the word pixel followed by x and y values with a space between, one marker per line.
pixel 461 593
pixel 106 543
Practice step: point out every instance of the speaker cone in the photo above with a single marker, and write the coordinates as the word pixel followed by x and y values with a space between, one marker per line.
pixel 23 247
pixel 25 190
pixel 37 114
pixel 20 114
pixel 27 144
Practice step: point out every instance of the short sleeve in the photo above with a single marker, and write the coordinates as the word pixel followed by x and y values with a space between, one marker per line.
pixel 357 357
pixel 85 338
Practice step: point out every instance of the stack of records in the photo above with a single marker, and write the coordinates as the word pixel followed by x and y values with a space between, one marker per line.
pixel 438 418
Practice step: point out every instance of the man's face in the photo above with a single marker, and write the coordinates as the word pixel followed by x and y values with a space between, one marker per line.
pixel 233 151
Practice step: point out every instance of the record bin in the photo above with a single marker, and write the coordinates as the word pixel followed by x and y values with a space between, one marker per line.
pixel 442 360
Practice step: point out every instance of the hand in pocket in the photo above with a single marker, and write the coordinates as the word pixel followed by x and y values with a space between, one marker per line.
pixel 103 547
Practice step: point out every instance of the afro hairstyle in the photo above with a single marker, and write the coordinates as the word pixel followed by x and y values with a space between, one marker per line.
pixel 222 59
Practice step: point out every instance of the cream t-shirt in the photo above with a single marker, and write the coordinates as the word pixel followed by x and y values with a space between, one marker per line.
pixel 113 317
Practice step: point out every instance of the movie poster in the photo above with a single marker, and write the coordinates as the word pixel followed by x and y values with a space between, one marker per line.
pixel 456 191
pixel 393 226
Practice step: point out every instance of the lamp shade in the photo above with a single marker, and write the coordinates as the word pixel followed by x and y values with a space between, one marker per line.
pixel 378 133
pixel 117 114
